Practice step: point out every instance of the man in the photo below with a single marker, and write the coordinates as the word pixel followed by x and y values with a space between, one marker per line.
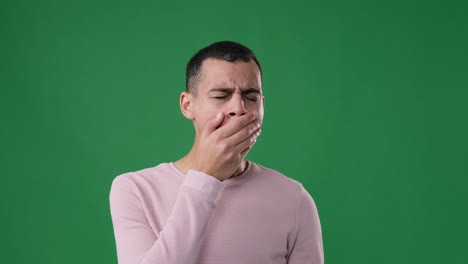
pixel 213 206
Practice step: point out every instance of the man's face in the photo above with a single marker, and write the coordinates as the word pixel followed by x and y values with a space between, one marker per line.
pixel 233 88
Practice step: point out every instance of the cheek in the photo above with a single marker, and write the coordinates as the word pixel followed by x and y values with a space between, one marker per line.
pixel 259 110
pixel 260 113
pixel 205 114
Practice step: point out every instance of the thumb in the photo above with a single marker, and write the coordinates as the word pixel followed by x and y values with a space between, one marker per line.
pixel 215 123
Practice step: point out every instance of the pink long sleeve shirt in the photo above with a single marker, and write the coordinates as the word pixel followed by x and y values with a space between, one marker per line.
pixel 161 215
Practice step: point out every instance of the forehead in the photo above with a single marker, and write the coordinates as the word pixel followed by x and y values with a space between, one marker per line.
pixel 223 74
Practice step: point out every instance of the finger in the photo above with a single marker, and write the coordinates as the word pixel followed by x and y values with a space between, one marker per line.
pixel 245 151
pixel 214 123
pixel 247 143
pixel 243 134
pixel 237 124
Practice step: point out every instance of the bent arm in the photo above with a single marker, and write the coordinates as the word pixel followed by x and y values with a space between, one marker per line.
pixel 180 240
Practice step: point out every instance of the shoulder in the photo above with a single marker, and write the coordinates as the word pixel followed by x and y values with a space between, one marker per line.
pixel 145 172
pixel 143 178
pixel 276 180
pixel 275 176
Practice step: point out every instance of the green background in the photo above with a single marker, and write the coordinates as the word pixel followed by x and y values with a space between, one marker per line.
pixel 366 105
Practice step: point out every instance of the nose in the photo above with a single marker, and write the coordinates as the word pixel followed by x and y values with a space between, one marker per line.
pixel 236 105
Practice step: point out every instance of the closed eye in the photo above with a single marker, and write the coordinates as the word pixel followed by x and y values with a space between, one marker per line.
pixel 252 96
pixel 220 96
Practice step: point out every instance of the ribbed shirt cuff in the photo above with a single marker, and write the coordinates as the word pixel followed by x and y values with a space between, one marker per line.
pixel 204 183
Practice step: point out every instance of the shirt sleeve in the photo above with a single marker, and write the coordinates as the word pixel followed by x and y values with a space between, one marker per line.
pixel 306 245
pixel 180 240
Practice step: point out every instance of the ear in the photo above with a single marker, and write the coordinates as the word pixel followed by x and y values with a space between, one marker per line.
pixel 186 105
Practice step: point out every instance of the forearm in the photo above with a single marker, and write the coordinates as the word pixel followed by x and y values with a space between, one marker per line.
pixel 181 238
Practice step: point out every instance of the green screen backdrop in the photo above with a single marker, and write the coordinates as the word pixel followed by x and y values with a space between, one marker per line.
pixel 366 105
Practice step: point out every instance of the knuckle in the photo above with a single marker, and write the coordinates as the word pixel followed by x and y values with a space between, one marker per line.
pixel 230 156
pixel 223 147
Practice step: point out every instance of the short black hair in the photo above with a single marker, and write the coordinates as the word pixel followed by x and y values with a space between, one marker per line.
pixel 223 50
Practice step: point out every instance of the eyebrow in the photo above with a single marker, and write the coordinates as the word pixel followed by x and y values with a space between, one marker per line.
pixel 231 90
